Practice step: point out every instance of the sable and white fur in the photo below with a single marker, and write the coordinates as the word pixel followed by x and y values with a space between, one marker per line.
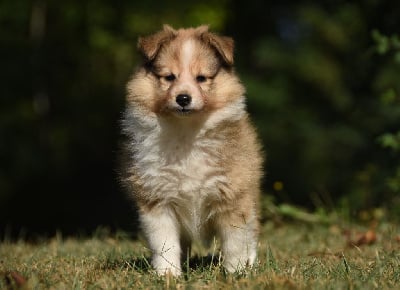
pixel 192 163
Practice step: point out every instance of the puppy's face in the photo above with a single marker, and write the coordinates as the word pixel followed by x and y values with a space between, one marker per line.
pixel 186 69
pixel 190 70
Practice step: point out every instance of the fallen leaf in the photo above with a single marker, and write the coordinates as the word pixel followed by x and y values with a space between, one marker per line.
pixel 367 238
pixel 17 278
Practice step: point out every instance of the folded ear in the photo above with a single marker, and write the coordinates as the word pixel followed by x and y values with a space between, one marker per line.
pixel 150 45
pixel 222 44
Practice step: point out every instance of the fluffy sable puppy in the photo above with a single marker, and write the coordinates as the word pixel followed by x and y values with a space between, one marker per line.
pixel 192 160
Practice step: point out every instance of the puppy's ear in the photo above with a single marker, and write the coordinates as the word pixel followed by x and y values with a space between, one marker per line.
pixel 222 44
pixel 150 45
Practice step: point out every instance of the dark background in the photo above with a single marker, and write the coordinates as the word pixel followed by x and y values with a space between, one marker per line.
pixel 322 82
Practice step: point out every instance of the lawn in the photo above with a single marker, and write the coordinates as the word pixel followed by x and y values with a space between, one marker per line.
pixel 292 255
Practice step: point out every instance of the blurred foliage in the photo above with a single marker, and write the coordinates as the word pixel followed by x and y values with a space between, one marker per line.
pixel 320 88
pixel 391 140
pixel 314 79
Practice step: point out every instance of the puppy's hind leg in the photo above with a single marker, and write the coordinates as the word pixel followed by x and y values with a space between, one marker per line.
pixel 162 233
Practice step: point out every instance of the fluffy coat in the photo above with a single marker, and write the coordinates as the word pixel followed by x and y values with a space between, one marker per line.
pixel 192 159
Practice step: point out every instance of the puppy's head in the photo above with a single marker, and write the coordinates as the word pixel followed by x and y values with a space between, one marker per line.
pixel 186 72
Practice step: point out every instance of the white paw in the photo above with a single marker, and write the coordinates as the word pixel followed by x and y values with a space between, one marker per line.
pixel 166 265
pixel 233 264
pixel 169 271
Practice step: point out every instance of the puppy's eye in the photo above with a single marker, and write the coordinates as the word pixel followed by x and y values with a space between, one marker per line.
pixel 170 77
pixel 201 79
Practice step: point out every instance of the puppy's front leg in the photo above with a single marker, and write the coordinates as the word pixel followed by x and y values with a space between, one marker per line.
pixel 162 233
pixel 239 243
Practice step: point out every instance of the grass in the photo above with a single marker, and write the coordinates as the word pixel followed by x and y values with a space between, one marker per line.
pixel 291 256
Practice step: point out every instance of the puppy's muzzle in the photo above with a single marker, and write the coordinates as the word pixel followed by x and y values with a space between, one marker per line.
pixel 183 100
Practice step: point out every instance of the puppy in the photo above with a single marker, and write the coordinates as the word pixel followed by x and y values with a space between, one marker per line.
pixel 193 162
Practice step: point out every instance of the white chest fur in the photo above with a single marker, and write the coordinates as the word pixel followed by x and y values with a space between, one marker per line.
pixel 178 160
pixel 179 166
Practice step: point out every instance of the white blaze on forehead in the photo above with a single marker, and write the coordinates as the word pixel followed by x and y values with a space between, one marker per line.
pixel 186 83
pixel 187 53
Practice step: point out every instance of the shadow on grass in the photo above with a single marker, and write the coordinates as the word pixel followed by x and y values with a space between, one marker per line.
pixel 142 264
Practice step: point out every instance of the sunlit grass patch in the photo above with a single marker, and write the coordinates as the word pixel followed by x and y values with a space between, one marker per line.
pixel 291 256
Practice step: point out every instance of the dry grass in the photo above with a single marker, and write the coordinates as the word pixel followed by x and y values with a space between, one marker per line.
pixel 291 256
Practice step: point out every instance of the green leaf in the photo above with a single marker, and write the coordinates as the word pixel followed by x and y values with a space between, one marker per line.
pixel 382 42
pixel 390 141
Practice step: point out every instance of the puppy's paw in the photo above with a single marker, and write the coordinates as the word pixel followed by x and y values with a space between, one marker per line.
pixel 237 264
pixel 171 271
pixel 165 267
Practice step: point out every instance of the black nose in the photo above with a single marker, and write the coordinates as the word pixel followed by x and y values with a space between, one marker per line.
pixel 183 100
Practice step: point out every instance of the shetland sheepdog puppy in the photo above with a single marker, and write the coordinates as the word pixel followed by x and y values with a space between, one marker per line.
pixel 192 158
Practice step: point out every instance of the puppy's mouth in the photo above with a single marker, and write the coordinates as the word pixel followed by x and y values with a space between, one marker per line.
pixel 184 111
